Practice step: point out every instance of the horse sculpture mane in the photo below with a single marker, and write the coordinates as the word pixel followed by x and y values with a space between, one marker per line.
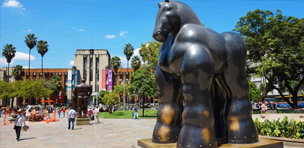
pixel 201 82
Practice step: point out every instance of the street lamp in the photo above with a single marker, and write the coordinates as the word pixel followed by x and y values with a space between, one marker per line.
pixel 124 105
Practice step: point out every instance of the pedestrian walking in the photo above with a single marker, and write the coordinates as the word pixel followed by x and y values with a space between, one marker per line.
pixel 58 111
pixel 95 112
pixel 63 112
pixel 135 112
pixel 90 113
pixel 71 117
pixel 18 123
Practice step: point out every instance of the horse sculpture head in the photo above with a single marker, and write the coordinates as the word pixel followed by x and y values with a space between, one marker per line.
pixel 167 20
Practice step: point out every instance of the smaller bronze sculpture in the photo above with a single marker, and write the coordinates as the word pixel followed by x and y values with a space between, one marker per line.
pixel 81 93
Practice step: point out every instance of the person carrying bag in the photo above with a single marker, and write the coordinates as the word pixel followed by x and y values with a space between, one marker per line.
pixel 18 124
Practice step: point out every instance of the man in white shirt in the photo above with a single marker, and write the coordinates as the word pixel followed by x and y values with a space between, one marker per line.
pixel 18 123
pixel 71 116
pixel 96 111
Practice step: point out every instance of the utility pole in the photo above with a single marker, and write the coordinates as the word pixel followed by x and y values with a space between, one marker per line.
pixel 124 105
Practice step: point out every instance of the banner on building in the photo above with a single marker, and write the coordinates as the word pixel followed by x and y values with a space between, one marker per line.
pixel 76 78
pixel 69 75
pixel 110 80
pixel 69 81
pixel 103 81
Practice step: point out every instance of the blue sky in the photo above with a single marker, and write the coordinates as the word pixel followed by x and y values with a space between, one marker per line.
pixel 68 25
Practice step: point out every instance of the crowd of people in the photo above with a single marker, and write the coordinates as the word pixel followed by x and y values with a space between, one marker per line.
pixel 264 106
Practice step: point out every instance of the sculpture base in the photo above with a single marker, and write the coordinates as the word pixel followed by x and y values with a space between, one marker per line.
pixel 263 143
pixel 82 120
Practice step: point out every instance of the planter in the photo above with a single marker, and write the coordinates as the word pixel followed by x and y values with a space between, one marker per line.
pixel 287 141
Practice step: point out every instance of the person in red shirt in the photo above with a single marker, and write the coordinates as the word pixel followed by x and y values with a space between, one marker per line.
pixel 90 112
pixel 63 112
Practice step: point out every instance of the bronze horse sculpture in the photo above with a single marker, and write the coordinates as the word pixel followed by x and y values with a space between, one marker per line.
pixel 201 82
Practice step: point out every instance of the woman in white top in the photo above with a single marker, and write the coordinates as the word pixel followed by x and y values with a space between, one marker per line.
pixel 18 123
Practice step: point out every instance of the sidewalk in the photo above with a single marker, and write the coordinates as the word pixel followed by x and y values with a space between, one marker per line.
pixel 109 133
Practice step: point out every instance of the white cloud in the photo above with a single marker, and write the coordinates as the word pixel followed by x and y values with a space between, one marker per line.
pixel 74 27
pixel 24 67
pixel 29 30
pixel 122 33
pixel 81 30
pixel 71 63
pixel 111 36
pixel 23 56
pixel 13 3
pixel 136 52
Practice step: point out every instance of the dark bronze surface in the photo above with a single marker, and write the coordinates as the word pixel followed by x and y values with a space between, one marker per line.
pixel 81 93
pixel 263 143
pixel 203 90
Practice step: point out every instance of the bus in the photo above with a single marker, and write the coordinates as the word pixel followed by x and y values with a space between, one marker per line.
pixel 283 104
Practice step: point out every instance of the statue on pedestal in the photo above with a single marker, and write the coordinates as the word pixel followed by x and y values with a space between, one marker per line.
pixel 201 82
pixel 81 94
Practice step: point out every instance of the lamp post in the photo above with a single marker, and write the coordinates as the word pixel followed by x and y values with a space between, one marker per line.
pixel 96 87
pixel 124 105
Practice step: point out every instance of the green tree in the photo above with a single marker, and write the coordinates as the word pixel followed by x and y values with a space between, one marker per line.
pixel 135 63
pixel 101 94
pixel 115 63
pixel 276 43
pixel 143 83
pixel 54 84
pixel 110 99
pixel 254 92
pixel 128 51
pixel 18 72
pixel 42 48
pixel 5 91
pixel 149 53
pixel 30 41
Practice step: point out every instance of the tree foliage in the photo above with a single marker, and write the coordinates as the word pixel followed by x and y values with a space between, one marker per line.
pixel 276 44
pixel 254 92
pixel 115 63
pixel 8 52
pixel 18 72
pixel 149 53
pixel 128 51
pixel 101 94
pixel 110 99
pixel 135 63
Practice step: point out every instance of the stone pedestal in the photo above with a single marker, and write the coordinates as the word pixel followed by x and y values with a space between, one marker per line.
pixel 263 143
pixel 82 120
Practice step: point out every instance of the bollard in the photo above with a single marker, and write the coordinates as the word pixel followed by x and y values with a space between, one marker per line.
pixel 4 118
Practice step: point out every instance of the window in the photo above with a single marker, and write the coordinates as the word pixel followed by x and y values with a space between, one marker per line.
pixel 85 68
pixel 97 69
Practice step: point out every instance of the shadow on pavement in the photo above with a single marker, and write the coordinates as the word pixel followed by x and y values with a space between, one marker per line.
pixel 27 138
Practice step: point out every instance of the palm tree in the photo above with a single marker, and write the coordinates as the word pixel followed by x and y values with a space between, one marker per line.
pixel 42 48
pixel 9 53
pixel 115 63
pixel 30 41
pixel 135 63
pixel 128 51
pixel 18 72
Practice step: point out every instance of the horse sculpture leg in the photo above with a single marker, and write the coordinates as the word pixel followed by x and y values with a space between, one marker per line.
pixel 197 71
pixel 241 128
pixel 168 123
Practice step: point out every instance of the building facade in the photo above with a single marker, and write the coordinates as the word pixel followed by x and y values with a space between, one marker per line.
pixel 90 63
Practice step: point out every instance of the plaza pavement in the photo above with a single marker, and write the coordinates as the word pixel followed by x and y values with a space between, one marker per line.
pixel 109 133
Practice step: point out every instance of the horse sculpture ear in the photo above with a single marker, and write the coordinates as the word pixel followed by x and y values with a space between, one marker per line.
pixel 167 1
pixel 158 5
